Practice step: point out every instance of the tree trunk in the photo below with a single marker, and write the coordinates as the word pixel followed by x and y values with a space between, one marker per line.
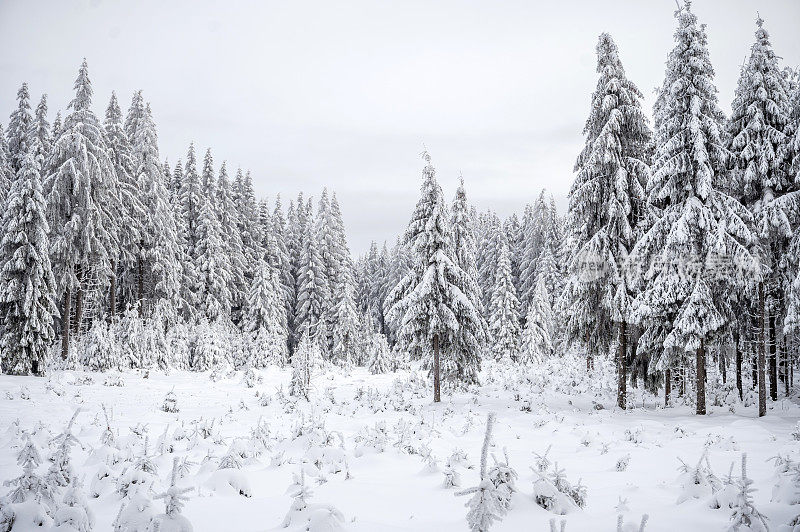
pixel 667 387
pixel 723 368
pixel 785 362
pixel 65 324
pixel 436 385
pixel 112 291
pixel 140 286
pixel 589 357
pixel 700 378
pixel 773 359
pixel 739 370
pixel 78 310
pixel 622 367
pixel 762 388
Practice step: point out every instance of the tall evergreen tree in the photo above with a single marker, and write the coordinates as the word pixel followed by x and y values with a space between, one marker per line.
pixel 605 205
pixel 190 199
pixel 537 341
pixel 427 301
pixel 212 265
pixel 26 280
pixel 312 289
pixel 40 134
pixel 80 189
pixel 759 146
pixel 264 319
pixel 6 173
pixel 19 128
pixel 691 254
pixel 472 334
pixel 504 310
pixel 232 239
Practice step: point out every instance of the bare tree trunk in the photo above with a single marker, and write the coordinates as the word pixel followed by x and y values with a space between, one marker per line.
pixel 773 359
pixel 667 387
pixel 762 388
pixel 700 378
pixel 112 291
pixel 739 370
pixel 140 285
pixel 785 359
pixel 65 324
pixel 622 367
pixel 436 383
pixel 78 310
pixel 589 357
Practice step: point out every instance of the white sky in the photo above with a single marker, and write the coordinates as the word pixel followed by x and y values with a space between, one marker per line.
pixel 344 94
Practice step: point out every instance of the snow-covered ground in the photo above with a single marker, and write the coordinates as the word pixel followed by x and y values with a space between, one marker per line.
pixel 376 448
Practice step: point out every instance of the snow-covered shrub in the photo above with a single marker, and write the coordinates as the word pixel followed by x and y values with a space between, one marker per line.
pixel 170 403
pixel 380 356
pixel 31 501
pixel 623 462
pixel 210 350
pixel 174 498
pixel 304 515
pixel 489 500
pixel 101 350
pixel 698 481
pixel 556 494
pixel 135 514
pixel 303 358
pixel 74 514
pixel 745 513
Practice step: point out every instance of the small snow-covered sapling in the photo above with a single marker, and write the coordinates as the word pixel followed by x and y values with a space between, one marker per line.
pixel 170 402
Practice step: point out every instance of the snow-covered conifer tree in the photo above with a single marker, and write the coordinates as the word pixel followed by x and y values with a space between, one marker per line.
pixel 19 128
pixel 80 190
pixel 212 264
pixel 605 203
pixel 26 280
pixel 312 287
pixel 428 299
pixel 504 310
pixel 699 247
pixel 264 319
pixel 472 334
pixel 232 240
pixel 537 342
pixel 40 135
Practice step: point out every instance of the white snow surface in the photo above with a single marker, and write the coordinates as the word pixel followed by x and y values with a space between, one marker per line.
pixel 384 433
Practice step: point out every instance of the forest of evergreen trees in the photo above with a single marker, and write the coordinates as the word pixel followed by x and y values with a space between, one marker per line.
pixel 678 256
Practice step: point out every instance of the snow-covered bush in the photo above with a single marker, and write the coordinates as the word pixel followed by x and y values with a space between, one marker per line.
pixel 379 354
pixel 170 403
pixel 101 350
pixel 174 498
pixel 304 515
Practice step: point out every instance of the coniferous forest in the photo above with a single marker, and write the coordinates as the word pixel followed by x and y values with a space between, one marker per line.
pixel 174 346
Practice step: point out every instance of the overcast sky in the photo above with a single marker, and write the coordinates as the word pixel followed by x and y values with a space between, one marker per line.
pixel 344 94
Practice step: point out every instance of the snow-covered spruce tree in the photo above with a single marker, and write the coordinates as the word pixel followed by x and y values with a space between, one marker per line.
pixel 40 135
pixel 534 237
pixel 331 263
pixel 472 334
pixel 6 173
pixel 427 301
pixel 312 287
pixel 174 498
pixel 74 514
pixel 80 192
pixel 232 239
pixel 759 148
pixel 304 357
pixel 130 213
pixel 19 129
pixel 26 280
pixel 101 348
pixel 699 247
pixel 380 355
pixel 158 254
pixel 504 310
pixel 488 253
pixel 348 340
pixel 60 473
pixel 605 202
pixel 745 513
pixel 338 270
pixel 537 344
pixel 212 264
pixel 248 222
pixel 485 506
pixel 190 200
pixel 264 320
pixel 792 320
pixel 280 257
pixel 31 494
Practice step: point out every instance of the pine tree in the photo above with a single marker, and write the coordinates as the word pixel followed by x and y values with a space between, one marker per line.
pixel 190 199
pixel 504 310
pixel 347 339
pixel 537 343
pixel 264 320
pixel 213 266
pixel 158 248
pixel 312 288
pixel 276 232
pixel 6 173
pixel 26 280
pixel 31 487
pixel 130 213
pixel 605 206
pixel 40 135
pixel 208 182
pixel 759 146
pixel 699 247
pixel 234 248
pixel 302 360
pixel 80 191
pixel 19 129
pixel 427 301
pixel 471 335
